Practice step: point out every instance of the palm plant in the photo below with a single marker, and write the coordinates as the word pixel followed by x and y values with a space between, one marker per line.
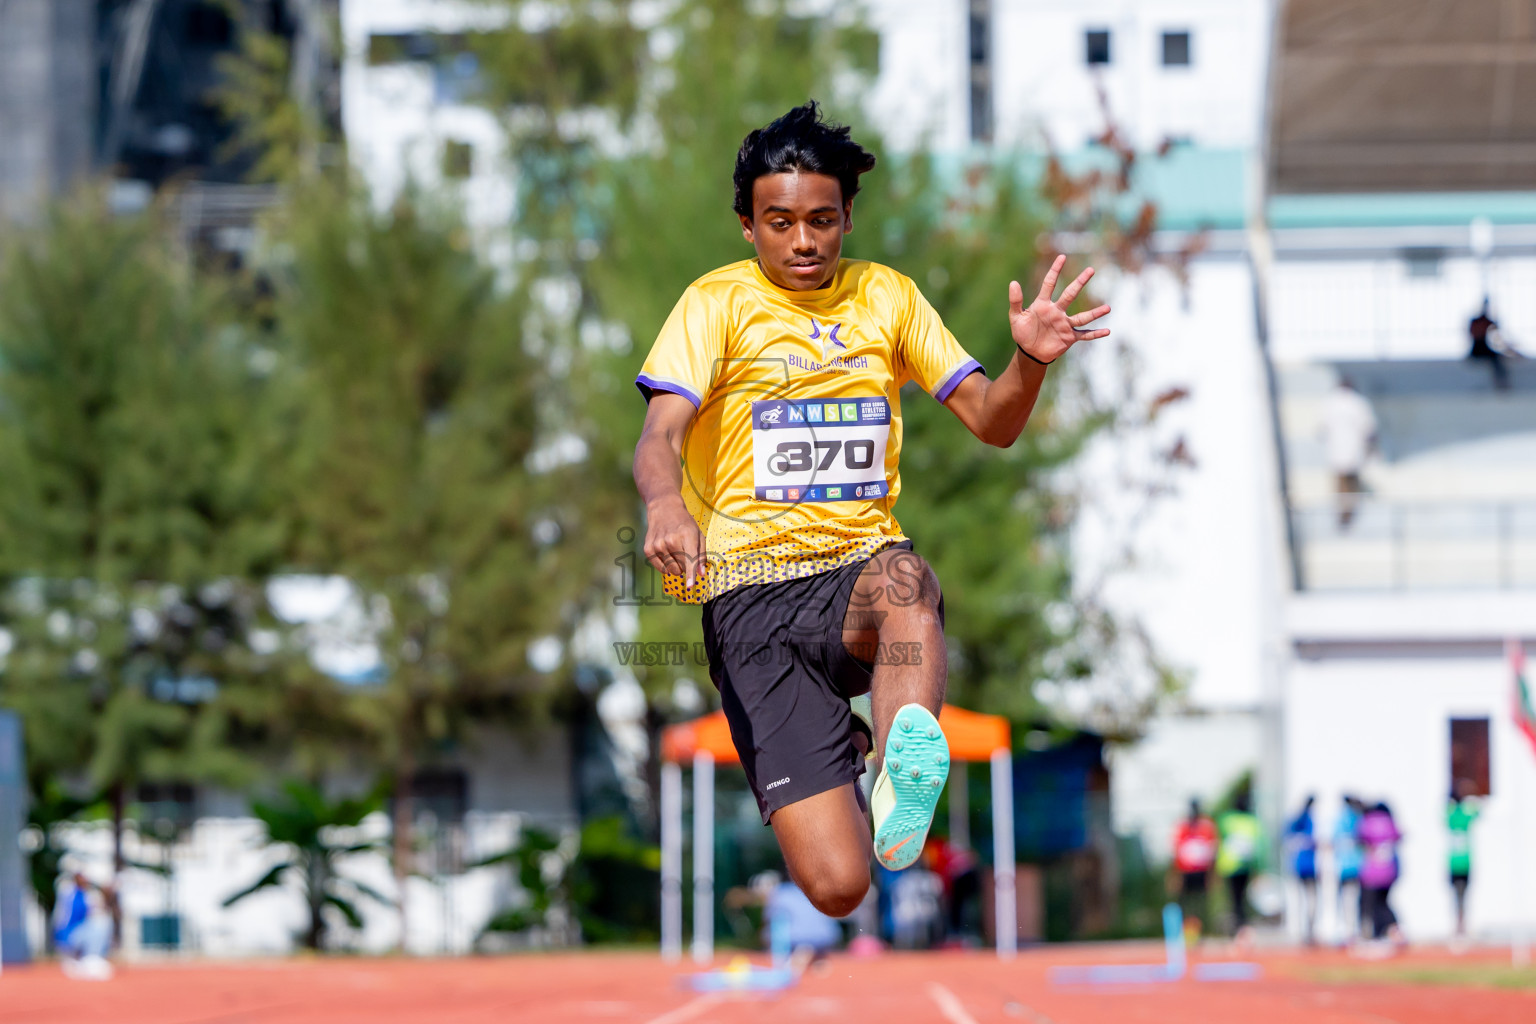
pixel 310 826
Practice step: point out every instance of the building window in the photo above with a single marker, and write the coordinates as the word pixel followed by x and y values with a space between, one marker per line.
pixel 402 47
pixel 1423 260
pixel 981 70
pixel 165 808
pixel 1469 757
pixel 1176 50
pixel 442 793
pixel 1098 46
pixel 208 26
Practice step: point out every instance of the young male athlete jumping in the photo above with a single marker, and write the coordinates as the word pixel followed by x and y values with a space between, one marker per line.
pixel 768 467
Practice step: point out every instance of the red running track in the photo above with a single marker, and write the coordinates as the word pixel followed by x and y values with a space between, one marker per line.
pixel 593 988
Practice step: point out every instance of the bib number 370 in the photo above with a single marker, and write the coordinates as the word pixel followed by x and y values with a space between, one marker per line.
pixel 820 450
pixel 796 456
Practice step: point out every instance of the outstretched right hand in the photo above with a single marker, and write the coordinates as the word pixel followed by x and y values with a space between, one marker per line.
pixel 673 543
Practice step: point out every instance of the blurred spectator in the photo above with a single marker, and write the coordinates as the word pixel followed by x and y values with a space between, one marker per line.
pixel 1484 330
pixel 1349 436
pixel 960 871
pixel 1346 860
pixel 1463 811
pixel 913 908
pixel 1378 871
pixel 1238 857
pixel 808 933
pixel 1301 857
pixel 1194 853
pixel 83 933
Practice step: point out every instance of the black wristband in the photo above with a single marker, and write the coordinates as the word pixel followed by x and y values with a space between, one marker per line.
pixel 1031 358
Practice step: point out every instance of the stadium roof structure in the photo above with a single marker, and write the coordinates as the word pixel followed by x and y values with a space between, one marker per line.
pixel 1402 96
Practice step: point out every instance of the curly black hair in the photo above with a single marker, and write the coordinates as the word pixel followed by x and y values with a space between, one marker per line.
pixel 801 140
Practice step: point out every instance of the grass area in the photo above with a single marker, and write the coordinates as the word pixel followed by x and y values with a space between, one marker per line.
pixel 1471 975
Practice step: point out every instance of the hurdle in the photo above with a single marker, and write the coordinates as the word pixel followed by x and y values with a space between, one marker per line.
pixel 1174 968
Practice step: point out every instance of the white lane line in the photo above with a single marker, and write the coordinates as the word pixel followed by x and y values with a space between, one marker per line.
pixel 690 1010
pixel 949 1005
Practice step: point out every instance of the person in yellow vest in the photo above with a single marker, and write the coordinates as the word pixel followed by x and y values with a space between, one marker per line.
pixel 1238 858
pixel 768 465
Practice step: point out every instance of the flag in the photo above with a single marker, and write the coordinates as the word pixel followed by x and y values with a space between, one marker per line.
pixel 1524 707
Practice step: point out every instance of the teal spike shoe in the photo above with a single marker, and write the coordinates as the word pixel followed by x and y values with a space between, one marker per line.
pixel 908 788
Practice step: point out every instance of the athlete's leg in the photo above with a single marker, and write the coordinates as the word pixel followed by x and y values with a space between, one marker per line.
pixel 1237 891
pixel 893 620
pixel 1309 907
pixel 825 842
pixel 1459 888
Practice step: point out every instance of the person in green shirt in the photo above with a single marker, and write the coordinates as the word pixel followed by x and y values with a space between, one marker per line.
pixel 1238 857
pixel 1460 814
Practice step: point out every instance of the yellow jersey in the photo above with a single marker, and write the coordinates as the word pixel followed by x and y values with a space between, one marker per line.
pixel 790 462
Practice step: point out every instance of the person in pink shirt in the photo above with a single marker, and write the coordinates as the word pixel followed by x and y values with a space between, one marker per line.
pixel 1379 867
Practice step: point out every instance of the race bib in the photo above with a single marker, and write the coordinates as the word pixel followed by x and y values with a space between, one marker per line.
pixel 1197 851
pixel 809 449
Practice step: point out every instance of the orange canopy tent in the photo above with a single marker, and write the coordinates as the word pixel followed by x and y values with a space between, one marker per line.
pixel 972 737
pixel 706 742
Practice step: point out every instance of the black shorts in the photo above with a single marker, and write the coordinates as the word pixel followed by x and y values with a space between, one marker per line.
pixel 776 655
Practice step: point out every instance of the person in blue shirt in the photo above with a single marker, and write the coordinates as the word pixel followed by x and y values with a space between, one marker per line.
pixel 807 932
pixel 76 911
pixel 1346 862
pixel 83 935
pixel 1301 854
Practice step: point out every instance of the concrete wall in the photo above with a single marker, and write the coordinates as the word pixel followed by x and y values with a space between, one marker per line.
pixel 1206 555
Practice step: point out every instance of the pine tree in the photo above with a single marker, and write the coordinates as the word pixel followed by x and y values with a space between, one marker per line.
pixel 137 510
pixel 418 423
pixel 432 401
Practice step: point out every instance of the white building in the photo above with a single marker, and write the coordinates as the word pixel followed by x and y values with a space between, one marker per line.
pixel 1342 199
pixel 406 107
pixel 1022 72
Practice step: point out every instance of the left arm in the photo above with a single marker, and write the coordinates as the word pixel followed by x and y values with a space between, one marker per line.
pixel 996 410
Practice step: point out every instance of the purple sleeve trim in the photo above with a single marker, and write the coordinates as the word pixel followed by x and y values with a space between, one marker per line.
pixel 967 368
pixel 648 384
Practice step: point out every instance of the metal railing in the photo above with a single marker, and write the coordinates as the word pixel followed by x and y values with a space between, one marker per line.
pixel 1387 545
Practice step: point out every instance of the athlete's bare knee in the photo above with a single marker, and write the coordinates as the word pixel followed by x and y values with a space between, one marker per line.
pixel 839 891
